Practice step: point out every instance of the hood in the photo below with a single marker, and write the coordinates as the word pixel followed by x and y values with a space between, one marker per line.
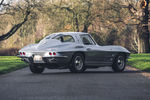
pixel 116 48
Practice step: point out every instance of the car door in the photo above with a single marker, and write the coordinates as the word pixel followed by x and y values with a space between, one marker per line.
pixel 94 56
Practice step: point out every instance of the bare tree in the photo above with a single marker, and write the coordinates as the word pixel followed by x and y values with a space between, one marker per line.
pixel 88 18
pixel 26 15
pixel 74 15
pixel 142 15
pixel 14 28
pixel 1 2
pixel 143 32
pixel 81 14
pixel 139 11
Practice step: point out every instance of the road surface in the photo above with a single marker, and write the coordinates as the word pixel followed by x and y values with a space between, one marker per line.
pixel 95 84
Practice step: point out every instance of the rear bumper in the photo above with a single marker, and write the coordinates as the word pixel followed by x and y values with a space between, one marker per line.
pixel 47 60
pixel 56 60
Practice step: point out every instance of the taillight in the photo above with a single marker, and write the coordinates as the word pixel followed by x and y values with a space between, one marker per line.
pixel 20 53
pixel 54 53
pixel 50 53
pixel 24 53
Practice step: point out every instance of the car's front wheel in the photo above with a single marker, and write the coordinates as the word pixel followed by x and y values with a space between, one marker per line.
pixel 77 63
pixel 119 63
pixel 36 69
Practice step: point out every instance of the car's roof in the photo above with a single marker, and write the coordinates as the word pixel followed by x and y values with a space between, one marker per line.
pixel 70 33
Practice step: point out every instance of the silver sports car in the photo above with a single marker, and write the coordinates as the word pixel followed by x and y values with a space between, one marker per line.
pixel 74 50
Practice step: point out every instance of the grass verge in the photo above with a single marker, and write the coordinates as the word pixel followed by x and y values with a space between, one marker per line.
pixel 10 63
pixel 140 61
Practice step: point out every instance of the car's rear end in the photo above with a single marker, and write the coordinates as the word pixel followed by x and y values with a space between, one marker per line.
pixel 44 58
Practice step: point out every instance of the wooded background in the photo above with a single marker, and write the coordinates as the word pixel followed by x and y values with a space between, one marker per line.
pixel 110 22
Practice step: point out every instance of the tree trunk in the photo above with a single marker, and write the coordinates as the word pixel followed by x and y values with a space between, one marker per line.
pixel 76 23
pixel 85 29
pixel 143 32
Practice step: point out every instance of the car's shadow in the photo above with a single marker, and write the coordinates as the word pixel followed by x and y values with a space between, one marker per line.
pixel 88 72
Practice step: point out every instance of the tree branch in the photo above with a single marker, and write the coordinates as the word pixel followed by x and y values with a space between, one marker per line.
pixel 15 28
pixel 1 2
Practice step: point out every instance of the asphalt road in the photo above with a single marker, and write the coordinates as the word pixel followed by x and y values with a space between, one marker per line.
pixel 97 84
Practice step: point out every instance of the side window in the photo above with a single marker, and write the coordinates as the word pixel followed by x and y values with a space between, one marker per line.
pixel 86 39
pixel 68 38
pixel 64 38
pixel 59 38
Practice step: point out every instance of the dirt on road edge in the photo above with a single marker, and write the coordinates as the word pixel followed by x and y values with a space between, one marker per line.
pixel 145 74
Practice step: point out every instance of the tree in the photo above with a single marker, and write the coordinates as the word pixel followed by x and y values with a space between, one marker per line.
pixel 143 31
pixel 25 13
pixel 139 16
pixel 1 2
pixel 81 13
pixel 88 16
pixel 15 28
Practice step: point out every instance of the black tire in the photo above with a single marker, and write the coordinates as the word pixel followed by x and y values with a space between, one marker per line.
pixel 36 69
pixel 77 63
pixel 119 63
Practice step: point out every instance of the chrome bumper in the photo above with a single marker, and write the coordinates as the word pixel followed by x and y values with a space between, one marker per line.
pixel 47 60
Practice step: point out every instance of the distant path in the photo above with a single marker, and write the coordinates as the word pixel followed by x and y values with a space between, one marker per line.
pixel 97 84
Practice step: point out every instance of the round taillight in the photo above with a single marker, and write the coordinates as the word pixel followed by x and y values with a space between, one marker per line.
pixel 50 53
pixel 54 53
pixel 20 53
pixel 24 53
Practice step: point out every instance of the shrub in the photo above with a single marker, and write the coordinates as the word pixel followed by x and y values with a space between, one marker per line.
pixel 9 52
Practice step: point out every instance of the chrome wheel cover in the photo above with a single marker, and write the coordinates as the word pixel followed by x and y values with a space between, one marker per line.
pixel 78 62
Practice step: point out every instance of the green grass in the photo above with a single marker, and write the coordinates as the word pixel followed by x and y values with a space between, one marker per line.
pixel 10 63
pixel 140 61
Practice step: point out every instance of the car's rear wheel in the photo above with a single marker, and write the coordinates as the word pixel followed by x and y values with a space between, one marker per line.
pixel 36 69
pixel 77 63
pixel 119 63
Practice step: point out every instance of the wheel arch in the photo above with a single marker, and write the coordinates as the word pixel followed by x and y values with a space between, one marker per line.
pixel 124 54
pixel 79 52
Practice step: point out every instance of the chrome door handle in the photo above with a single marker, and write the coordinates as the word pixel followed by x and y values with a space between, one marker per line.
pixel 79 47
